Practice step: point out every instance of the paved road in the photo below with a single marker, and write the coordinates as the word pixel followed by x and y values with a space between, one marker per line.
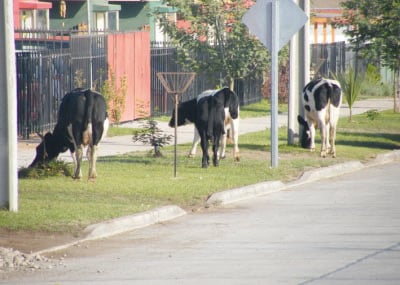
pixel 342 230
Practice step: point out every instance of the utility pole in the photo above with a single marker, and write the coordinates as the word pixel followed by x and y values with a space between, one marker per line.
pixel 8 111
pixel 299 72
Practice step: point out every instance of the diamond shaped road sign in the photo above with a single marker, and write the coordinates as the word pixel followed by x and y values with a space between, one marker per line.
pixel 259 21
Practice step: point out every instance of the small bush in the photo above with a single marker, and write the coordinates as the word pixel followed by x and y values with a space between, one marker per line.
pixel 152 135
pixel 43 170
pixel 372 114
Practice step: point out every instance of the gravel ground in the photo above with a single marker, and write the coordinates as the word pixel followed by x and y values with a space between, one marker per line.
pixel 14 260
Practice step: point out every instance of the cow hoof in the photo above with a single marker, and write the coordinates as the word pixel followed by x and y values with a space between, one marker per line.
pixel 323 154
pixel 204 165
pixel 190 155
pixel 237 158
pixel 215 161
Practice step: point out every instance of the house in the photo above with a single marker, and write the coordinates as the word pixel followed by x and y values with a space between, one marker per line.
pixel 73 15
pixel 66 15
pixel 31 14
pixel 323 15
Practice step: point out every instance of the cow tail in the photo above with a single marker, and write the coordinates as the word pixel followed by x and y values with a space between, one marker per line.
pixel 211 117
pixel 88 109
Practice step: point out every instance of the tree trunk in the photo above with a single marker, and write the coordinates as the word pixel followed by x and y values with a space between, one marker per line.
pixel 397 92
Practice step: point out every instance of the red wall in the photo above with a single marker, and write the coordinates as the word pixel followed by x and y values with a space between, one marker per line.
pixel 129 54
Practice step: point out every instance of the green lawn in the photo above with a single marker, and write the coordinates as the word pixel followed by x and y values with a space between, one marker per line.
pixel 136 182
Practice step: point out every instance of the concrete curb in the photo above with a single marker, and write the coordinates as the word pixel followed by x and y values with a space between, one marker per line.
pixel 385 158
pixel 124 224
pixel 166 213
pixel 233 195
pixel 127 223
pixel 327 172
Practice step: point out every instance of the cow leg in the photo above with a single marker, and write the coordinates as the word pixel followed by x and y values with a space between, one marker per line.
pixel 322 125
pixel 204 147
pixel 215 151
pixel 334 116
pixel 78 162
pixel 221 153
pixel 322 128
pixel 332 141
pixel 196 140
pixel 235 136
pixel 92 157
pixel 328 144
pixel 312 136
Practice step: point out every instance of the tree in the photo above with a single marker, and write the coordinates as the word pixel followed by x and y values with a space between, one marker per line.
pixel 115 95
pixel 151 134
pixel 351 83
pixel 374 29
pixel 211 39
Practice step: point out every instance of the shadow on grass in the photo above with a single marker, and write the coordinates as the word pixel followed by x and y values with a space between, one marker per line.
pixel 372 140
pixel 127 159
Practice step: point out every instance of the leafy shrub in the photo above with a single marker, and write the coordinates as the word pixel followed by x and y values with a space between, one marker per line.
pixel 43 170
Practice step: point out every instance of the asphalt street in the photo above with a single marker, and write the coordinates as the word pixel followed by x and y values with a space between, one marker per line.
pixel 339 230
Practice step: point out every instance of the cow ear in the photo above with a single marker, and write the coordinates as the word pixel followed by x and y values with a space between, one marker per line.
pixel 301 120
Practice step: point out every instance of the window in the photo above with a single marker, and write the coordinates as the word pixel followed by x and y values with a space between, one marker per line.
pixel 34 19
pixel 113 20
pixel 101 23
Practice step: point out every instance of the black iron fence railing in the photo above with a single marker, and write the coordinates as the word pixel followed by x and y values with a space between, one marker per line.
pixel 51 63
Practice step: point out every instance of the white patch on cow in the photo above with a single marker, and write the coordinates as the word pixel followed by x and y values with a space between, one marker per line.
pixel 87 135
pixel 106 125
pixel 206 94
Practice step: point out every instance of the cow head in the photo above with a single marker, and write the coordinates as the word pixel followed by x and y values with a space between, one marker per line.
pixel 45 151
pixel 306 135
pixel 186 113
pixel 233 103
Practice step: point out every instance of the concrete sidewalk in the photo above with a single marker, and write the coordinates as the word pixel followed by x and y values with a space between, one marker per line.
pixel 123 144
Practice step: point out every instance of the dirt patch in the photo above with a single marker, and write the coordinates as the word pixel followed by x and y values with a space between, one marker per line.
pixel 29 241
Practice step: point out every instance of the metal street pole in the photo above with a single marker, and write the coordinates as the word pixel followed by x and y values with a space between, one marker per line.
pixel 8 111
pixel 89 11
pixel 274 83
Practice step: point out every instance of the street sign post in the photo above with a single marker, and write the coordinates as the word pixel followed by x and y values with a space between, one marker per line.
pixel 268 21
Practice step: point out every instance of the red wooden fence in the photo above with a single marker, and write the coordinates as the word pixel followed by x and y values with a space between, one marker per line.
pixel 129 55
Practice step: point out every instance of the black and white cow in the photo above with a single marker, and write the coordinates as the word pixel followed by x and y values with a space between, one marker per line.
pixel 187 113
pixel 82 121
pixel 321 100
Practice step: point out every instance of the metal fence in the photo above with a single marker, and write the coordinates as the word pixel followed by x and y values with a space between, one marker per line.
pixel 328 58
pixel 50 64
pixel 164 59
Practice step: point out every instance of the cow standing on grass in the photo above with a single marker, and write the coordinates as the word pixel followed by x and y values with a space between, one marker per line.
pixel 188 112
pixel 82 121
pixel 321 100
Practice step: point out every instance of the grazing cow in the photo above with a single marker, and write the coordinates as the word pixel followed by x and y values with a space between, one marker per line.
pixel 187 113
pixel 82 121
pixel 321 101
